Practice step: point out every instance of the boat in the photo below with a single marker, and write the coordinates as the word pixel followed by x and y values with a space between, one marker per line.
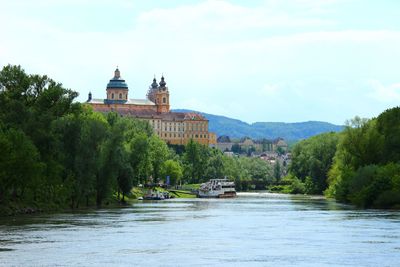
pixel 156 195
pixel 217 188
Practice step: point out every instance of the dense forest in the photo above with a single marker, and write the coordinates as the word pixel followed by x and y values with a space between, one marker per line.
pixel 360 165
pixel 58 153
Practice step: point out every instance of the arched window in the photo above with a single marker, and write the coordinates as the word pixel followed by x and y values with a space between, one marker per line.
pixel 164 100
pixel 120 96
pixel 112 96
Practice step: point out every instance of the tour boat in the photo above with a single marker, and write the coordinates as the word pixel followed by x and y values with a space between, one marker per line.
pixel 217 188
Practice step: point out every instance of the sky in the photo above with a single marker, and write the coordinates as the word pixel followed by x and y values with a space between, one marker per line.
pixel 260 60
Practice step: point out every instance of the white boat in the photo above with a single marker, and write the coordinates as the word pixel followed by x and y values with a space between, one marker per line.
pixel 156 195
pixel 217 188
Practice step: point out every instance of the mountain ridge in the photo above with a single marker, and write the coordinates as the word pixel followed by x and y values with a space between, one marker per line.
pixel 235 128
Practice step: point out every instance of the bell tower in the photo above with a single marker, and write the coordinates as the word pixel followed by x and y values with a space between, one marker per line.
pixel 162 97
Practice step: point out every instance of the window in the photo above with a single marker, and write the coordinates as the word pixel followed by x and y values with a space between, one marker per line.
pixel 164 100
pixel 126 96
pixel 112 96
pixel 120 96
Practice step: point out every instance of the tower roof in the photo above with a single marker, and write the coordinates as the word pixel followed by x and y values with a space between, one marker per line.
pixel 162 82
pixel 154 85
pixel 117 81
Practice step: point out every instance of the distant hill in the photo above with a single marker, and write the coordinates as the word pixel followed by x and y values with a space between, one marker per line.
pixel 234 128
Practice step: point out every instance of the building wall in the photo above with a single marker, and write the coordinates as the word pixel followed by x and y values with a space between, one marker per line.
pixel 117 92
pixel 116 107
pixel 225 146
pixel 180 132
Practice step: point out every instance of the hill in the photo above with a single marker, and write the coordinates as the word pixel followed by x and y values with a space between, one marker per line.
pixel 234 128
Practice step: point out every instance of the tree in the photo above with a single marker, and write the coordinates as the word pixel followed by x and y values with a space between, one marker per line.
pixel 140 157
pixel 388 125
pixel 124 179
pixel 196 160
pixel 366 165
pixel 313 158
pixel 19 164
pixel 216 168
pixel 277 170
pixel 172 169
pixel 159 152
pixel 236 148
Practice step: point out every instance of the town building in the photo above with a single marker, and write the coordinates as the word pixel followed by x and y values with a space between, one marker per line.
pixel 175 128
pixel 224 143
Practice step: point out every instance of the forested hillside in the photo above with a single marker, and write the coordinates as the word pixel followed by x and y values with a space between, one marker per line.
pixel 233 128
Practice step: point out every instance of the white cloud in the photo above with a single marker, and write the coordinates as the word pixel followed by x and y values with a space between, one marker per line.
pixel 269 90
pixel 216 16
pixel 389 93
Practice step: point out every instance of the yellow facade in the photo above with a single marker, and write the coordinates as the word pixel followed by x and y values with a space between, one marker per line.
pixel 175 128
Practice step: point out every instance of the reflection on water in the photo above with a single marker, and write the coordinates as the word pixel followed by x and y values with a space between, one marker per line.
pixel 257 229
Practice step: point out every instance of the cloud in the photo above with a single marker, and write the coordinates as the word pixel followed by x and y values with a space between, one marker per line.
pixel 269 90
pixel 216 16
pixel 382 93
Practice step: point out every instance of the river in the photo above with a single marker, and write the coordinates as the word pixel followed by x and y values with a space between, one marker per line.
pixel 255 229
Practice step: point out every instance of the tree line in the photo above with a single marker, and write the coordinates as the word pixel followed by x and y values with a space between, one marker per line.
pixel 57 152
pixel 360 165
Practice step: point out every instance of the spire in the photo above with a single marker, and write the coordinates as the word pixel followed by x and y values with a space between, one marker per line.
pixel 154 85
pixel 162 82
pixel 117 73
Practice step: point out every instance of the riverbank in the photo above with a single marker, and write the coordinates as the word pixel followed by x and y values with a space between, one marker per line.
pixel 18 207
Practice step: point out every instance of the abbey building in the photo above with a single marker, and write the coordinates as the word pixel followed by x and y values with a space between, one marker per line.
pixel 173 127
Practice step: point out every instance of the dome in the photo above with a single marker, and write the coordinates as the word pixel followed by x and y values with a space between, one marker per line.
pixel 117 81
pixel 154 85
pixel 162 82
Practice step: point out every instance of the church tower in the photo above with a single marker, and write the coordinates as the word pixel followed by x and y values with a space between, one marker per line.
pixel 117 89
pixel 153 88
pixel 162 97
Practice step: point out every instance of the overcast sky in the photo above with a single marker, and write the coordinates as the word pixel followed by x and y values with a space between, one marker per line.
pixel 274 60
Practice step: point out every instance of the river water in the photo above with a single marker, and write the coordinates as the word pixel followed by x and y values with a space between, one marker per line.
pixel 256 229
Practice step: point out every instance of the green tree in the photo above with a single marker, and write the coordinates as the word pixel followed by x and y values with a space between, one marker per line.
pixel 236 148
pixel 159 153
pixel 172 169
pixel 215 168
pixel 196 161
pixel 313 158
pixel 277 171
pixel 19 164
pixel 366 165
pixel 140 158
